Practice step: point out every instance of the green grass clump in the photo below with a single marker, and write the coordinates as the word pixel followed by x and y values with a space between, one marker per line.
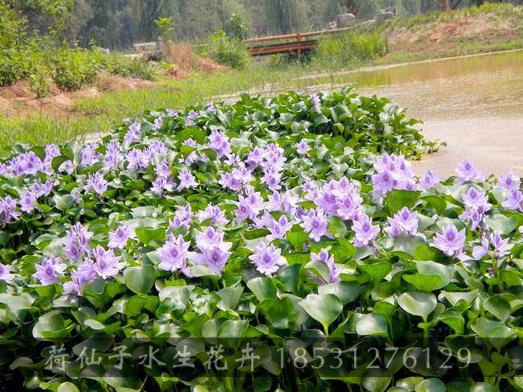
pixel 228 51
pixel 350 49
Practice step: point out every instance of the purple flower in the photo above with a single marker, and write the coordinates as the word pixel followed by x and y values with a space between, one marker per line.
pixel 96 183
pixel 49 270
pixel 249 205
pixel 51 151
pixel 182 218
pixel 41 189
pixel 67 167
pixel 254 158
pixel 77 241
pixel 302 147
pixel 209 237
pixel 89 155
pixel 509 182
pixel 279 228
pixel 28 202
pixel 84 274
pixel 219 142
pixel 189 142
pixel 157 148
pixel 428 180
pixel 315 223
pixel 118 239
pixel 476 199
pixel 468 172
pixel 327 200
pixel 106 264
pixel 187 180
pixel 392 172
pixel 473 216
pixel 163 169
pixel 514 201
pixel 112 155
pixel 133 133
pixel 215 214
pixel 137 159
pixel 267 259
pixel 316 102
pixel 211 108
pixel 478 252
pixel 450 241
pixel 404 223
pixel 158 123
pixel 171 113
pixel 364 231
pixel 8 210
pixel 174 254
pixel 326 258
pixel 26 164
pixel 272 178
pixel 215 257
pixel 501 246
pixel 274 157
pixel 383 182
pixel 191 118
pixel 5 273
pixel 162 184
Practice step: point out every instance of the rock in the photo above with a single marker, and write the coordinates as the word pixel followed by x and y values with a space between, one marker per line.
pixel 345 20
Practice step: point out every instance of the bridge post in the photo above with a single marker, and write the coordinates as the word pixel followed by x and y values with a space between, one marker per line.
pixel 298 51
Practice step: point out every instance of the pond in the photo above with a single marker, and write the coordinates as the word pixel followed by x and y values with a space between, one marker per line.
pixel 474 103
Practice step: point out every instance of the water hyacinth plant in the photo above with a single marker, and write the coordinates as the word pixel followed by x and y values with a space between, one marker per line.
pixel 270 244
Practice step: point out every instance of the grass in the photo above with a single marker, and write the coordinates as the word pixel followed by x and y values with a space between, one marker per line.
pixel 100 114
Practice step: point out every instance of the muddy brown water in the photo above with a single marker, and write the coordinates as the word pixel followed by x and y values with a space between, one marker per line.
pixel 473 103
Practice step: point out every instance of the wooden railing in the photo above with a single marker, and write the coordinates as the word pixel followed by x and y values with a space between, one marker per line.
pixel 298 42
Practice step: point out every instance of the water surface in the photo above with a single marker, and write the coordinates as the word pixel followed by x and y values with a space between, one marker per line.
pixel 473 103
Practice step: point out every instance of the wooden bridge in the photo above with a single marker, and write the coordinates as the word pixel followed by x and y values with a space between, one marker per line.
pixel 298 43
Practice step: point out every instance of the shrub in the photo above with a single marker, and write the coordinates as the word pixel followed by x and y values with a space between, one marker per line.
pixel 228 51
pixel 73 68
pixel 14 65
pixel 349 49
pixel 40 83
pixel 119 65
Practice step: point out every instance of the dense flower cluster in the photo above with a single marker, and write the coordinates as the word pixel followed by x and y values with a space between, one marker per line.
pixel 187 221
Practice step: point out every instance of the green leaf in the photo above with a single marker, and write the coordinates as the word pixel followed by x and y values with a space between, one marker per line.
pixel 281 313
pixel 498 307
pixel 421 282
pixel 418 303
pixel 337 227
pixel 233 329
pixel 502 224
pixel 297 238
pixel 147 235
pixel 262 288
pixel 399 198
pixel 377 271
pixel 52 326
pixel 495 331
pixel 140 280
pixel 229 297
pixel 431 385
pixel 345 291
pixel 324 308
pixel 67 387
pixel 435 269
pixel 371 324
